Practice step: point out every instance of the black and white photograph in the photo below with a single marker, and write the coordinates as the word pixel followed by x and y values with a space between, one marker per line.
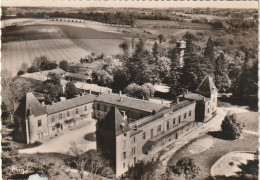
pixel 129 90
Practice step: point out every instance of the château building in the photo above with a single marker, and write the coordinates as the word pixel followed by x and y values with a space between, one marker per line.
pixel 129 129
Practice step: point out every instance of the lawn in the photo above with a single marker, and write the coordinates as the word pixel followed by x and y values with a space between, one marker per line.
pixel 250 119
pixel 219 148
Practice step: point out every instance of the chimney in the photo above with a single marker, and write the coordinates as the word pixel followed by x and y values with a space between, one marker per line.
pixel 43 103
pixel 177 101
pixel 89 91
pixel 187 91
pixel 162 101
pixel 119 93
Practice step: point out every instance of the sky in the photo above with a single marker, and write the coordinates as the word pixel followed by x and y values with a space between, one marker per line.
pixel 131 3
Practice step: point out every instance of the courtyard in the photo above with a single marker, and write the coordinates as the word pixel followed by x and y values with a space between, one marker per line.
pixel 63 141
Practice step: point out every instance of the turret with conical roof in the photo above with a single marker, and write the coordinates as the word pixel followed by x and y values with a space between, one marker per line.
pixel 207 87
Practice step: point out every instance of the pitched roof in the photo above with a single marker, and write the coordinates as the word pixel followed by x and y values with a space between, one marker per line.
pixel 70 103
pixel 30 104
pixel 115 122
pixel 42 75
pixel 129 102
pixel 193 96
pixel 92 87
pixel 206 87
pixel 78 76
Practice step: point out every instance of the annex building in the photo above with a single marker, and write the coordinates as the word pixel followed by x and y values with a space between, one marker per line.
pixel 34 120
pixel 130 129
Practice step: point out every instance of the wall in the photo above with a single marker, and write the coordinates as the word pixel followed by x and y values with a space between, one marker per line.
pixel 19 129
pixel 132 114
pixel 77 117
pixel 35 132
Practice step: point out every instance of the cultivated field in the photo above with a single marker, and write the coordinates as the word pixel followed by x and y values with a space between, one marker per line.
pixel 14 54
pixel 69 40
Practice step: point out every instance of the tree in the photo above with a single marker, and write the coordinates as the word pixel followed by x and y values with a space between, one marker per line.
pixel 90 161
pixel 136 91
pixel 43 63
pixel 12 92
pixel 125 47
pixel 231 127
pixel 51 91
pixel 247 83
pixel 141 170
pixel 120 80
pixel 20 72
pixel 161 38
pixel 32 69
pixel 64 65
pixel 155 50
pixel 186 166
pixel 222 80
pixel 150 87
pixel 70 90
pixel 209 50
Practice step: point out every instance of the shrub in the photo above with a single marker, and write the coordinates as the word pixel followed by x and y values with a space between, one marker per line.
pixel 232 127
pixel 186 167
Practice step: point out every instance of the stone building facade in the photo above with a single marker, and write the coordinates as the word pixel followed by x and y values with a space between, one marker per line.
pixel 129 129
pixel 34 121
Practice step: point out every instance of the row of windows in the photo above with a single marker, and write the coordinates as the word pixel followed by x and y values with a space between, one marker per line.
pixel 68 113
pixel 159 128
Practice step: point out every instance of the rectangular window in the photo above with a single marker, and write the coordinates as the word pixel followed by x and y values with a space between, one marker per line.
pixel 159 129
pixel 179 119
pixel 68 113
pixel 168 125
pixel 123 165
pixel 124 144
pixel 105 108
pixel 134 159
pixel 151 133
pixel 133 151
pixel 124 155
pixel 60 116
pixel 39 123
pixel 143 135
pixel 98 106
pixel 53 128
pixel 185 116
pixel 173 122
pixel 85 108
pixel 190 113
pixel 52 119
pixel 134 139
pixel 208 110
pixel 77 111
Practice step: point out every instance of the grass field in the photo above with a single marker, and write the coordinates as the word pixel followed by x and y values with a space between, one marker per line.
pixel 250 119
pixel 151 23
pixel 219 148
pixel 14 54
pixel 60 40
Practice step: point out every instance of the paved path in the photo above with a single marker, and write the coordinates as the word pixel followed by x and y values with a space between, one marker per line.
pixel 213 125
pixel 62 142
pixel 251 132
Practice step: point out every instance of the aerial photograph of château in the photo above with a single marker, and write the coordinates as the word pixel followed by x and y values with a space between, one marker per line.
pixel 125 91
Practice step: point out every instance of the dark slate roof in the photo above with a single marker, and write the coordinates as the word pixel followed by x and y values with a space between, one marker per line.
pixel 70 103
pixel 148 119
pixel 132 103
pixel 30 104
pixel 193 96
pixel 115 122
pixel 206 87
pixel 78 76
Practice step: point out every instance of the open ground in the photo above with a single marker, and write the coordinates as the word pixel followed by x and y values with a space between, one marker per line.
pixel 59 40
